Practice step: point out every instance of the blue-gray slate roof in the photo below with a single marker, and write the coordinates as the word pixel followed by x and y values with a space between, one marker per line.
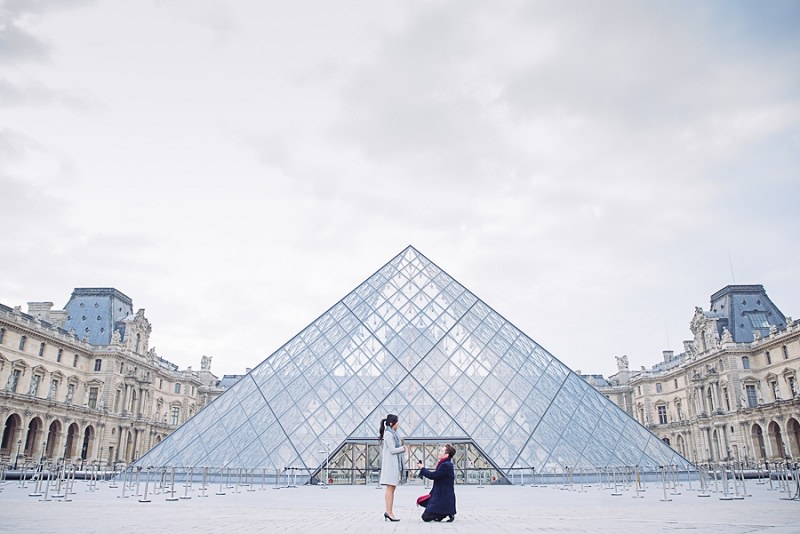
pixel 744 309
pixel 93 312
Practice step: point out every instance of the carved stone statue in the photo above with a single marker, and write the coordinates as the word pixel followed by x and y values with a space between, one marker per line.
pixel 726 335
pixel 622 362
pixel 116 338
pixel 34 385
pixel 205 363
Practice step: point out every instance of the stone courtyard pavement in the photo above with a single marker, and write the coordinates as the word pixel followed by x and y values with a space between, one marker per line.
pixel 355 509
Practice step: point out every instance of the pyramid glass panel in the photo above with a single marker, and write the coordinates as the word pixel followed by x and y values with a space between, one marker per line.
pixel 413 341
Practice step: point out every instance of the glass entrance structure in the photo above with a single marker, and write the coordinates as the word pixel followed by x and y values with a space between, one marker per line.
pixel 412 341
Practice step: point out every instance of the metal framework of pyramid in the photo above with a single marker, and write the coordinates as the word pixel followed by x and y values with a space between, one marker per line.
pixel 411 340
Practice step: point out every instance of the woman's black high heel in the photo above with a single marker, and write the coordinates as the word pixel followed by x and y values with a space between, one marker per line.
pixel 387 517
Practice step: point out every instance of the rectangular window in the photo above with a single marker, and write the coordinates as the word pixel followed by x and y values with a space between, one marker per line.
pixel 75 361
pixel 662 415
pixel 758 320
pixel 98 364
pixel 22 341
pixel 177 388
pixel 92 398
pixel 658 387
pixel 785 353
pixel 2 334
pixel 727 398
pixel 768 358
pixel 176 414
pixel 745 362
pixel 752 399
pixel 41 349
pixel 160 383
pixel 58 356
pixel 676 383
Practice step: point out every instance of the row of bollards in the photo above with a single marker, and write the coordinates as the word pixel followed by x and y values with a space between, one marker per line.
pixel 726 481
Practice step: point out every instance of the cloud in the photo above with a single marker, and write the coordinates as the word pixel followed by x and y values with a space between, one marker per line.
pixel 35 94
pixel 586 168
pixel 17 41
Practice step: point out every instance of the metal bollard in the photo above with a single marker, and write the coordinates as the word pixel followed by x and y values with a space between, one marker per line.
pixel 637 484
pixel 47 489
pixel 37 490
pixel 187 484
pixel 674 477
pixel 616 492
pixel 251 485
pixel 146 485
pixel 703 491
pixel 124 476
pixel 725 496
pixel 221 481
pixel 205 480
pixel 172 496
pixel 138 471
pixel 664 484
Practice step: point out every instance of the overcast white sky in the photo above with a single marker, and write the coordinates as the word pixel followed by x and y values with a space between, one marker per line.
pixel 591 170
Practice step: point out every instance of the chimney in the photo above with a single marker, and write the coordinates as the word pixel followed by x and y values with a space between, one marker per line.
pixel 40 310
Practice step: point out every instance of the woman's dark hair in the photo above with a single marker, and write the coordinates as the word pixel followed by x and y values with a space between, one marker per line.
pixel 389 421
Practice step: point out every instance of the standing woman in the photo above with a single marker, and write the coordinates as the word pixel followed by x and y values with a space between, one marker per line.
pixel 391 462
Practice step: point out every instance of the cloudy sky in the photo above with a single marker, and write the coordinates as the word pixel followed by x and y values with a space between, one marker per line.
pixel 592 170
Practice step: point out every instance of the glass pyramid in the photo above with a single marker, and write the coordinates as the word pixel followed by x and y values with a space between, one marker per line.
pixel 411 340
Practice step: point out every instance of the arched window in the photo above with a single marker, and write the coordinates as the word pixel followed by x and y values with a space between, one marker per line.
pixel 745 362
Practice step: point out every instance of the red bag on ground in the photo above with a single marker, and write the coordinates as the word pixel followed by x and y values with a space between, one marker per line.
pixel 423 500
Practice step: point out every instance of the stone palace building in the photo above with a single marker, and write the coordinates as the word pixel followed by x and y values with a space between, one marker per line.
pixel 732 394
pixel 83 385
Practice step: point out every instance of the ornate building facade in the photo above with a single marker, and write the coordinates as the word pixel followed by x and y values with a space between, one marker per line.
pixel 83 385
pixel 732 394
